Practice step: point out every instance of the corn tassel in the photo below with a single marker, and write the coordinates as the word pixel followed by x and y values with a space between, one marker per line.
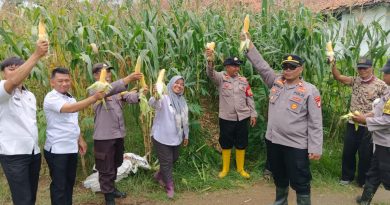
pixel 101 85
pixel 349 117
pixel 329 51
pixel 244 45
pixel 210 46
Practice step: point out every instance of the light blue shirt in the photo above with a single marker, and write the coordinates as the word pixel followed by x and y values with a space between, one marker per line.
pixel 164 125
pixel 63 131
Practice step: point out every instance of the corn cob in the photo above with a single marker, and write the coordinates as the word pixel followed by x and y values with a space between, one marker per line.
pixel 244 45
pixel 101 85
pixel 329 51
pixel 349 117
pixel 210 46
pixel 137 69
pixel 94 48
pixel 42 35
pixel 160 85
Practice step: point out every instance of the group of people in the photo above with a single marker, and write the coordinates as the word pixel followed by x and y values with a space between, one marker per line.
pixel 294 130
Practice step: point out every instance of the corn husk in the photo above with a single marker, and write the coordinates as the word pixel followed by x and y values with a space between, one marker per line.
pixel 244 45
pixel 329 51
pixel 349 117
pixel 101 85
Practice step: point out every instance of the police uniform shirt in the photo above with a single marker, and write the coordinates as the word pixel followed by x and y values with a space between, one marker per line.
pixel 18 123
pixel 63 131
pixel 379 125
pixel 294 113
pixel 235 96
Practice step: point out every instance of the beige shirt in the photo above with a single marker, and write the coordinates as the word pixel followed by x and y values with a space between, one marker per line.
pixel 294 113
pixel 235 96
pixel 379 125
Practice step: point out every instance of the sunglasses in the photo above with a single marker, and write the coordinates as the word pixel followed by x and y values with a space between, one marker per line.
pixel 363 68
pixel 289 67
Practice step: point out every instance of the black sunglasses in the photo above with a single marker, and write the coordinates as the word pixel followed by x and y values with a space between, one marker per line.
pixel 289 66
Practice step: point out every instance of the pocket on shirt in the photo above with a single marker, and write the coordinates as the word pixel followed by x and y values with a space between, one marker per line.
pixel 295 104
pixel 227 88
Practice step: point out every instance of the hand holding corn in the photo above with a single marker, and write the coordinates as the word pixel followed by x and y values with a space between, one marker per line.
pixel 210 51
pixel 353 116
pixel 101 86
pixel 41 48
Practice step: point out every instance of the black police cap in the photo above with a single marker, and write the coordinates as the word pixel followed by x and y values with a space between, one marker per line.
pixel 293 59
pixel 232 61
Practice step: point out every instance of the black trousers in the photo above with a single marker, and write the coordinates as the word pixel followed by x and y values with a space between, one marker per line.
pixel 379 171
pixel 233 133
pixel 22 173
pixel 359 141
pixel 290 166
pixel 62 169
pixel 167 156
pixel 108 157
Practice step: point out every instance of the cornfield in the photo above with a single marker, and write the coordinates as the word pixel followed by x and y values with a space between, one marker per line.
pixel 82 33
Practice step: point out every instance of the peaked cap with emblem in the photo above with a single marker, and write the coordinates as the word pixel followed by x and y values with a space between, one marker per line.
pixel 232 61
pixel 293 60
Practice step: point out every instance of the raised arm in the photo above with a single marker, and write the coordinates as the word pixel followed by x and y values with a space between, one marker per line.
pixel 347 80
pixel 75 107
pixel 24 70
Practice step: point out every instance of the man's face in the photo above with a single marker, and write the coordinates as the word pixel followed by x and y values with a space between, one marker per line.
pixel 364 72
pixel 232 70
pixel 96 75
pixel 61 82
pixel 291 71
pixel 10 71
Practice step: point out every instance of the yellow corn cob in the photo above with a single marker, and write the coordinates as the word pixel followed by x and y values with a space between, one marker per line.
pixel 42 35
pixel 245 28
pixel 137 69
pixel 210 46
pixel 349 117
pixel 101 85
pixel 245 43
pixel 329 51
pixel 160 82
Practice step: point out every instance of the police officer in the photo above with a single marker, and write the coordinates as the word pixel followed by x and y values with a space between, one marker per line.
pixel 236 111
pixel 365 89
pixel 378 122
pixel 294 130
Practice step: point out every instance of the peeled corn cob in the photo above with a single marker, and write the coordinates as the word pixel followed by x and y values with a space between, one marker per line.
pixel 329 51
pixel 245 44
pixel 160 85
pixel 349 117
pixel 137 69
pixel 210 46
pixel 101 85
pixel 42 35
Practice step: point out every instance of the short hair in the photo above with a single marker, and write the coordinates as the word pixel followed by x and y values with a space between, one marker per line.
pixel 11 61
pixel 59 70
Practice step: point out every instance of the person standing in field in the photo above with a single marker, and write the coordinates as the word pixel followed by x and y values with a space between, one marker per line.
pixel 365 89
pixel 20 155
pixel 236 111
pixel 170 129
pixel 378 122
pixel 63 138
pixel 294 129
pixel 109 130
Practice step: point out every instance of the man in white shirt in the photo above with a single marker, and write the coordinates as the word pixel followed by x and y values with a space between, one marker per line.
pixel 63 139
pixel 20 156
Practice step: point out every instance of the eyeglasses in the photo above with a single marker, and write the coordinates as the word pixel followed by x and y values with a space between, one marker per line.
pixel 289 66
pixel 363 68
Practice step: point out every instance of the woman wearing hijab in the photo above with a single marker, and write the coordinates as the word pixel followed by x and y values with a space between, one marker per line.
pixel 169 130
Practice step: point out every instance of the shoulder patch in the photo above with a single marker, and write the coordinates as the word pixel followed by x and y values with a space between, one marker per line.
pixel 248 91
pixel 386 108
pixel 318 101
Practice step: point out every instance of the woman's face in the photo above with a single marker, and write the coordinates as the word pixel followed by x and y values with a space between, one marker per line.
pixel 178 86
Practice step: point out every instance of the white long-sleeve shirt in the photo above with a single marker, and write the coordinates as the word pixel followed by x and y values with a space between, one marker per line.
pixel 164 124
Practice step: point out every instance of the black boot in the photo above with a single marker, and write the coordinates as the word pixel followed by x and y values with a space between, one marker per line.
pixel 110 199
pixel 281 196
pixel 303 199
pixel 367 195
pixel 119 194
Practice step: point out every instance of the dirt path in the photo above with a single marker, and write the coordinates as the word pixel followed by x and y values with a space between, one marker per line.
pixel 259 194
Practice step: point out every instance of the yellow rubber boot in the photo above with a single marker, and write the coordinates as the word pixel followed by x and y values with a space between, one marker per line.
pixel 240 159
pixel 225 162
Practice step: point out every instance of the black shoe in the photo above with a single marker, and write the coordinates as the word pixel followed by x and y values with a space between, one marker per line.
pixel 119 194
pixel 110 200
